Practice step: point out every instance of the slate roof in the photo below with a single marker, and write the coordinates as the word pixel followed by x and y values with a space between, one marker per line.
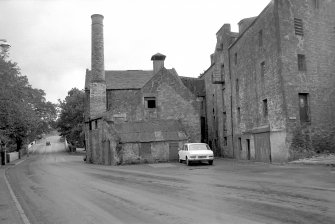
pixel 127 79
pixel 151 131
pixel 195 85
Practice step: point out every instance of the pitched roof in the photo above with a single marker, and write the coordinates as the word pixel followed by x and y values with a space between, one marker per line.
pixel 195 85
pixel 127 79
pixel 151 131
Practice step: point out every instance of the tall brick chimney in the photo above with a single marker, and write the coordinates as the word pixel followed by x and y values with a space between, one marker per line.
pixel 98 83
pixel 158 62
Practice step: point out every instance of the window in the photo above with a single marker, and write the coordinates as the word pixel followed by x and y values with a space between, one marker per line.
pixel 239 115
pixel 298 27
pixel 262 71
pixel 213 111
pixel 224 121
pixel 150 102
pixel 223 95
pixel 240 144
pixel 265 108
pixel 304 107
pixel 260 38
pixel 225 143
pixel 237 88
pixel 90 125
pixel 316 4
pixel 96 124
pixel 235 59
pixel 301 62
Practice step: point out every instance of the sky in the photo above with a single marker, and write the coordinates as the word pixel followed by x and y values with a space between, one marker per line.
pixel 51 39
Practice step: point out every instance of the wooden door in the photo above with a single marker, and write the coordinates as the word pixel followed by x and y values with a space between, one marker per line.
pixel 145 151
pixel 262 147
pixel 173 151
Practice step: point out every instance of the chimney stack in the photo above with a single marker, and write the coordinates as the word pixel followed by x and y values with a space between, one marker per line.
pixel 97 63
pixel 158 62
pixel 98 83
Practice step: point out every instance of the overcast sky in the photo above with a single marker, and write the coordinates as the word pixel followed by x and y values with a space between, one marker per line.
pixel 51 43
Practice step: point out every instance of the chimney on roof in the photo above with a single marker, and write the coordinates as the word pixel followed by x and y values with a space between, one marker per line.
pixel 158 62
pixel 98 83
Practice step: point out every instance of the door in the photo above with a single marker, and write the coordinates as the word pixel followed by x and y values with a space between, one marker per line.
pixel 107 153
pixel 248 149
pixel 262 147
pixel 203 129
pixel 145 151
pixel 173 151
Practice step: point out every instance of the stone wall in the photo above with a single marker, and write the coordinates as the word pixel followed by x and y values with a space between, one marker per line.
pixel 253 87
pixel 318 81
pixel 174 101
pixel 124 105
pixel 214 108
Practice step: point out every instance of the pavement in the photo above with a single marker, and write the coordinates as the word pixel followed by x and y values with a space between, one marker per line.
pixel 9 213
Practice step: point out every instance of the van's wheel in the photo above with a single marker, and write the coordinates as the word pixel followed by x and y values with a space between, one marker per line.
pixel 188 162
pixel 180 160
pixel 210 162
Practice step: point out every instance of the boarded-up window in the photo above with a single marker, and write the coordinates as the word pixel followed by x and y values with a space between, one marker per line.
pixel 298 27
pixel 235 59
pixel 301 62
pixel 150 102
pixel 304 107
pixel 260 38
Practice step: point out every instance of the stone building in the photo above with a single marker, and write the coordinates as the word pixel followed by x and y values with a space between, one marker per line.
pixel 270 87
pixel 137 116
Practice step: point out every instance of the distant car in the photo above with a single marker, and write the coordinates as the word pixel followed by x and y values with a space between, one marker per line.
pixel 196 152
pixel 48 143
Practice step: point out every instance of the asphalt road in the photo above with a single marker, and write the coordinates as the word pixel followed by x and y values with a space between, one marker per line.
pixel 54 186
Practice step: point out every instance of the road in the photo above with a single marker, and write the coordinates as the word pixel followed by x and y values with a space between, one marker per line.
pixel 54 186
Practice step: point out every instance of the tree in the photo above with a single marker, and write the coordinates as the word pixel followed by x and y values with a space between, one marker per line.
pixel 24 112
pixel 71 120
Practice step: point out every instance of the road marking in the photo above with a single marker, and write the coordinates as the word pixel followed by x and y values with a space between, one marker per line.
pixel 16 202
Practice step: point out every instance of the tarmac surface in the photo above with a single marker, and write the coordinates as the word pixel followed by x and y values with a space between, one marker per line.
pixel 53 186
